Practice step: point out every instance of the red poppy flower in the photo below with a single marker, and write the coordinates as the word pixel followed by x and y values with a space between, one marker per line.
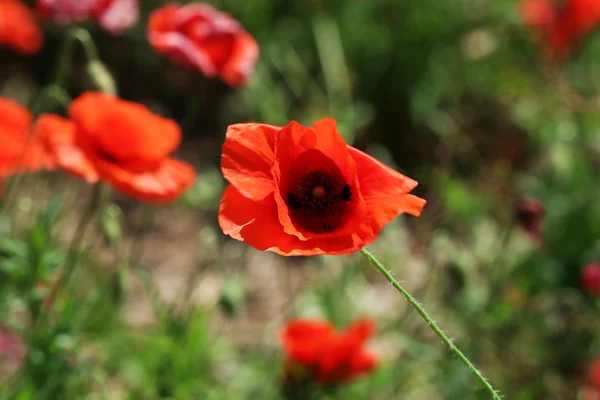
pixel 538 14
pixel 18 28
pixel 113 15
pixel 303 191
pixel 121 142
pixel 205 39
pixel 561 28
pixel 19 151
pixel 590 282
pixel 594 373
pixel 315 350
pixel 530 213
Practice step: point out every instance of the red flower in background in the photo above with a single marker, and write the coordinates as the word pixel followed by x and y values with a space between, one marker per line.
pixel 18 28
pixel 121 142
pixel 538 14
pixel 19 152
pixel 315 350
pixel 303 191
pixel 594 373
pixel 113 15
pixel 11 345
pixel 205 39
pixel 590 283
pixel 561 28
pixel 530 213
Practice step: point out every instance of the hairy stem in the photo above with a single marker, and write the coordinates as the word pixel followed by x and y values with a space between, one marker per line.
pixel 415 304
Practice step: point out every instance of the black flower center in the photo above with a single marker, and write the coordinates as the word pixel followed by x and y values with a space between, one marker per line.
pixel 318 202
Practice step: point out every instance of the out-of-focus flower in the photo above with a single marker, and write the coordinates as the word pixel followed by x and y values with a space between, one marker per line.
pixel 303 191
pixel 18 28
pixel 590 283
pixel 113 15
pixel 590 390
pixel 594 367
pixel 530 213
pixel 206 39
pixel 121 142
pixel 11 346
pixel 19 152
pixel 538 14
pixel 561 28
pixel 316 351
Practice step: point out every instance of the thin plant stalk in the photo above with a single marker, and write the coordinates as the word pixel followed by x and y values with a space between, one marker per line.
pixel 76 241
pixel 135 257
pixel 415 304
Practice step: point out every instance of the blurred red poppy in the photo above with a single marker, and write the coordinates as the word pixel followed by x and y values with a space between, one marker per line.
pixel 316 351
pixel 530 213
pixel 590 283
pixel 561 28
pixel 18 28
pixel 206 39
pixel 594 372
pixel 121 142
pixel 113 15
pixel 12 346
pixel 19 151
pixel 538 14
pixel 303 191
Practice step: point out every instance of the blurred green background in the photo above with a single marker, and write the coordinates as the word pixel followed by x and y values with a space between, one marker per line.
pixel 455 94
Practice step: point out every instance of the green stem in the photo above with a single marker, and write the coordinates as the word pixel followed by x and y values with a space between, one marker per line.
pixel 52 92
pixel 75 246
pixel 135 262
pixel 66 53
pixel 415 304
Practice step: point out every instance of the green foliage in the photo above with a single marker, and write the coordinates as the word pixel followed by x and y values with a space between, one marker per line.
pixel 456 93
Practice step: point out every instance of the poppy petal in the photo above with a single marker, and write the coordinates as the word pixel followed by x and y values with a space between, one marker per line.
pixel 247 158
pixel 241 63
pixel 19 152
pixel 57 135
pixel 184 50
pixel 257 224
pixel 306 340
pixel 123 129
pixel 117 15
pixel 205 39
pixel 293 142
pixel 14 117
pixel 162 184
pixel 18 28
pixel 385 190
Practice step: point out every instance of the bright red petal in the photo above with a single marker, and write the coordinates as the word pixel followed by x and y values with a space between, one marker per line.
pixel 241 61
pixel 361 362
pixel 123 129
pixel 385 191
pixel 19 152
pixel 18 28
pixel 57 135
pixel 305 341
pixel 14 117
pixel 360 331
pixel 247 158
pixel 257 224
pixel 163 183
pixel 293 142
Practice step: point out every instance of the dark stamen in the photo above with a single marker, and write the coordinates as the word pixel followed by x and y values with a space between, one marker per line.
pixel 346 193
pixel 318 201
pixel 293 201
